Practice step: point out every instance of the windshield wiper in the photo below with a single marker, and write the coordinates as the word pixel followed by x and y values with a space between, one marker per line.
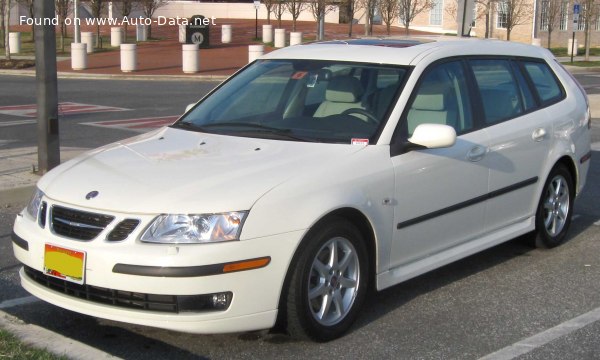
pixel 285 133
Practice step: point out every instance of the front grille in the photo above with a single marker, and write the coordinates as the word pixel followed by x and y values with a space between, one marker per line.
pixel 76 224
pixel 42 214
pixel 127 299
pixel 122 230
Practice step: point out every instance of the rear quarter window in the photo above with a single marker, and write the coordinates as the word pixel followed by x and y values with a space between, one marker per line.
pixel 544 82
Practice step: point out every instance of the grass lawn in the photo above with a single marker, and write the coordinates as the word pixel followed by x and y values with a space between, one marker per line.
pixel 583 63
pixel 11 348
pixel 28 47
pixel 562 51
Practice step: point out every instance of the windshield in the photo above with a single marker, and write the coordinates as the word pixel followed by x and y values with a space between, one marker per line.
pixel 300 100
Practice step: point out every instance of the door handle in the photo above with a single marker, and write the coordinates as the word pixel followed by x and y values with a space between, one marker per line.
pixel 539 134
pixel 476 153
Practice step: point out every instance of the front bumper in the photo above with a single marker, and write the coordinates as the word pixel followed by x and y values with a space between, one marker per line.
pixel 255 292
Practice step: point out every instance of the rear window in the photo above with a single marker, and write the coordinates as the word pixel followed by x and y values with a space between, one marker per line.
pixel 544 81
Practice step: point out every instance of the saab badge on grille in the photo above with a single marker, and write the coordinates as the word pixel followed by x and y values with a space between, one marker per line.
pixel 91 195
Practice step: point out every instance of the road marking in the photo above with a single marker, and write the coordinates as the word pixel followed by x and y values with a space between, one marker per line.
pixel 17 122
pixel 545 337
pixel 596 146
pixel 64 108
pixel 138 125
pixel 18 302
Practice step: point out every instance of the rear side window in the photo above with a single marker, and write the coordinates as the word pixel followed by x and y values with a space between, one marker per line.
pixel 544 81
pixel 501 97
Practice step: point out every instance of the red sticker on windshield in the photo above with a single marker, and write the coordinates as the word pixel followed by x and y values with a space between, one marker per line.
pixel 299 75
pixel 363 142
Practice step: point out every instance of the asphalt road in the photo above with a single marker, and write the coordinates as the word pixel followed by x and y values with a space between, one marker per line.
pixel 465 310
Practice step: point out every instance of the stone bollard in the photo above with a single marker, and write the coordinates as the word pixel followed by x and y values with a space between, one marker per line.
pixel 116 36
pixel 575 50
pixel 78 56
pixel 88 38
pixel 255 51
pixel 14 41
pixel 190 58
pixel 536 42
pixel 267 33
pixel 141 32
pixel 225 34
pixel 128 57
pixel 182 29
pixel 295 38
pixel 279 38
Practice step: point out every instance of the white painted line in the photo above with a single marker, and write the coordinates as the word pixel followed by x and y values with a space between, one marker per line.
pixel 17 122
pixel 39 337
pixel 17 302
pixel 596 146
pixel 545 337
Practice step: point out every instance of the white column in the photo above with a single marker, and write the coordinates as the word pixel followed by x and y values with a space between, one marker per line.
pixel 78 56
pixel 128 57
pixel 116 36
pixel 255 51
pixel 141 34
pixel 267 33
pixel 575 50
pixel 14 41
pixel 88 38
pixel 182 34
pixel 279 38
pixel 536 42
pixel 225 34
pixel 190 58
pixel 295 38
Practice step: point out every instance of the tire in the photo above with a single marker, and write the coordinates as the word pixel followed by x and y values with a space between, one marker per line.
pixel 328 282
pixel 555 208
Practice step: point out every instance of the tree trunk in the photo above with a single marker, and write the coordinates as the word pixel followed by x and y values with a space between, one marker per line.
pixel 98 42
pixel 2 24
pixel 7 30
pixel 294 24
pixel 507 34
pixel 406 26
pixel 587 41
pixel 549 37
pixel 367 20
pixel 268 17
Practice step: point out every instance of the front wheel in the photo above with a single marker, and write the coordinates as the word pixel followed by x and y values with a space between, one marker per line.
pixel 328 282
pixel 555 208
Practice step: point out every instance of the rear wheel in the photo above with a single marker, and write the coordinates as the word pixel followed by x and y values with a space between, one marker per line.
pixel 328 282
pixel 555 208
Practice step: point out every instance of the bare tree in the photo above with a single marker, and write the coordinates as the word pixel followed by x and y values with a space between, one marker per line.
pixel 295 7
pixel 6 18
pixel 149 7
pixel 482 12
pixel 389 10
pixel 514 12
pixel 2 22
pixel 126 7
pixel 589 15
pixel 279 11
pixel 97 6
pixel 28 4
pixel 319 8
pixel 63 9
pixel 369 7
pixel 270 6
pixel 352 7
pixel 550 11
pixel 409 9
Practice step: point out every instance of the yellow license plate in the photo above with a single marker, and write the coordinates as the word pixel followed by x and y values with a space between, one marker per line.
pixel 63 263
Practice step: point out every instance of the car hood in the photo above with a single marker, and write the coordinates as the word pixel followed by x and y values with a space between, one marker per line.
pixel 177 171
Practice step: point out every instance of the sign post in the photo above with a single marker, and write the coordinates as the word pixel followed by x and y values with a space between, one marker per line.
pixel 576 9
pixel 256 7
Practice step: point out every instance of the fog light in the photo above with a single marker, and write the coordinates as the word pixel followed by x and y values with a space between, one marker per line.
pixel 221 301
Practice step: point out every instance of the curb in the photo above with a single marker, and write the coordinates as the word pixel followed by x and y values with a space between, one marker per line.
pixel 39 337
pixel 68 75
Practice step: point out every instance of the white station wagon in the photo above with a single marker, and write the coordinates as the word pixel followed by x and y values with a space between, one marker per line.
pixel 312 174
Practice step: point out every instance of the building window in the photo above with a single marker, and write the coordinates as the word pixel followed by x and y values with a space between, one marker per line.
pixel 544 15
pixel 502 14
pixel 564 16
pixel 435 14
pixel 581 22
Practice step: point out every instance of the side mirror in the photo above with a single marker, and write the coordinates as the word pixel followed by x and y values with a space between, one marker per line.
pixel 189 107
pixel 434 136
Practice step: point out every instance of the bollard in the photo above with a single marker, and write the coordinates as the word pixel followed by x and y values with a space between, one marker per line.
pixel 128 57
pixel 190 58
pixel 536 42
pixel 255 51
pixel 116 36
pixel 14 41
pixel 88 38
pixel 78 56
pixel 574 48
pixel 295 38
pixel 279 38
pixel 225 34
pixel 267 33
pixel 182 30
pixel 141 33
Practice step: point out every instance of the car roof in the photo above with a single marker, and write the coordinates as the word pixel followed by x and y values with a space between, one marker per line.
pixel 404 52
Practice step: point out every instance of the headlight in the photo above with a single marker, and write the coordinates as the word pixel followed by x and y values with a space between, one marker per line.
pixel 194 229
pixel 34 205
